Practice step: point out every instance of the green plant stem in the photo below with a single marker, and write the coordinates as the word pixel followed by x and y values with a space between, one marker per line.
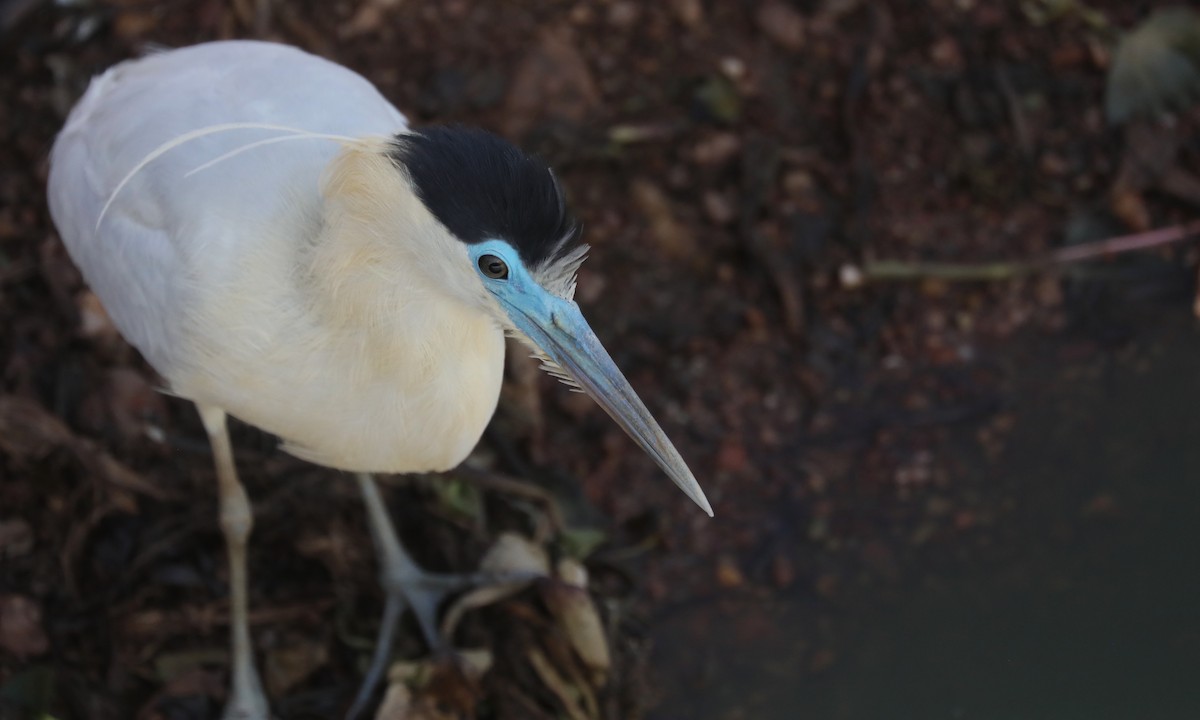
pixel 887 270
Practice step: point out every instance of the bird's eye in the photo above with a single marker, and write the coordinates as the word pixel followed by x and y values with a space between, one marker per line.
pixel 493 267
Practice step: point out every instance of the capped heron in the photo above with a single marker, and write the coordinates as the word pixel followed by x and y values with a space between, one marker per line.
pixel 268 231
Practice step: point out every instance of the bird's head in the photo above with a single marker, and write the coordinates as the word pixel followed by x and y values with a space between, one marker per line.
pixel 514 253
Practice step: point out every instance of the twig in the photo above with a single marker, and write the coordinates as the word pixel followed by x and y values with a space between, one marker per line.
pixel 511 486
pixel 900 270
pixel 27 430
pixel 1015 114
pixel 1125 243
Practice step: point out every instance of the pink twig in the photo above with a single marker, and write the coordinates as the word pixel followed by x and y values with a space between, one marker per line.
pixel 1126 243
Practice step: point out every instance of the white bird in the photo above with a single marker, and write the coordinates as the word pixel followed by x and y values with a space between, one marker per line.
pixel 280 246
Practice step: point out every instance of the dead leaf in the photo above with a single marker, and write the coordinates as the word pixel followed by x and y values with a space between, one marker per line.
pixel 689 12
pixel 397 703
pixel 552 82
pixel 133 402
pixel 514 553
pixel 29 432
pixel 16 538
pixel 1156 67
pixel 1129 207
pixel 514 562
pixel 368 18
pixel 435 689
pixel 94 321
pixel 293 661
pixel 133 25
pixel 729 575
pixel 717 149
pixel 568 695
pixel 676 242
pixel 624 14
pixel 21 632
pixel 780 22
pixel 568 600
pixel 719 207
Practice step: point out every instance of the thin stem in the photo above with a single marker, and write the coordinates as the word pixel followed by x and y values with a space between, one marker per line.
pixel 899 270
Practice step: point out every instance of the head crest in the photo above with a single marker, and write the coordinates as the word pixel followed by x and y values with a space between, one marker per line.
pixel 482 187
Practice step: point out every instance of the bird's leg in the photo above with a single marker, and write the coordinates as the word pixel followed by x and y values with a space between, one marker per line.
pixel 246 698
pixel 405 584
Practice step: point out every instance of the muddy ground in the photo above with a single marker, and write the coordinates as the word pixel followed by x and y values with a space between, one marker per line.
pixel 743 171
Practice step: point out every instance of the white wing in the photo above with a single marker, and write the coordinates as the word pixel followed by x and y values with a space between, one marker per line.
pixel 147 255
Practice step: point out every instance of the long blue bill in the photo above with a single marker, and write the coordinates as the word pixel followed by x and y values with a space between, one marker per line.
pixel 559 329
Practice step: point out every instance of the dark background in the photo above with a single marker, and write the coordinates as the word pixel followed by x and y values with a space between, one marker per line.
pixel 934 498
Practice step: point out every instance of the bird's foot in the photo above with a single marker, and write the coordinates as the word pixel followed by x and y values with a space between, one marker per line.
pixel 247 701
pixel 250 711
pixel 408 586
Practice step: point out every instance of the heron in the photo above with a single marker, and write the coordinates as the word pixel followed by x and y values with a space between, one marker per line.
pixel 282 247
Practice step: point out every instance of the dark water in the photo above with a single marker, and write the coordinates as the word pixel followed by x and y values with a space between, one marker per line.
pixel 1090 611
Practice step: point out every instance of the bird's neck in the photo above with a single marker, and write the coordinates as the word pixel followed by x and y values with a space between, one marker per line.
pixel 356 355
pixel 376 282
pixel 377 254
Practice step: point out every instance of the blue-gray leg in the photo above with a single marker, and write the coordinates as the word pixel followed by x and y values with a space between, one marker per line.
pixel 406 585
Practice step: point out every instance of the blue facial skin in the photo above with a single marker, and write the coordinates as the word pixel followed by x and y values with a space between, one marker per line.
pixel 557 327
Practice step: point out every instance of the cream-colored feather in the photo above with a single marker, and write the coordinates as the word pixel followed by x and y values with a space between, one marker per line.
pixel 298 297
pixel 417 367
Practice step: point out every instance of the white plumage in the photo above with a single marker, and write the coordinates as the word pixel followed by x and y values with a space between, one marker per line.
pixel 268 288
pixel 263 226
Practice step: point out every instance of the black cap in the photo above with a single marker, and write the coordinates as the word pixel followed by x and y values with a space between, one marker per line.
pixel 483 187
